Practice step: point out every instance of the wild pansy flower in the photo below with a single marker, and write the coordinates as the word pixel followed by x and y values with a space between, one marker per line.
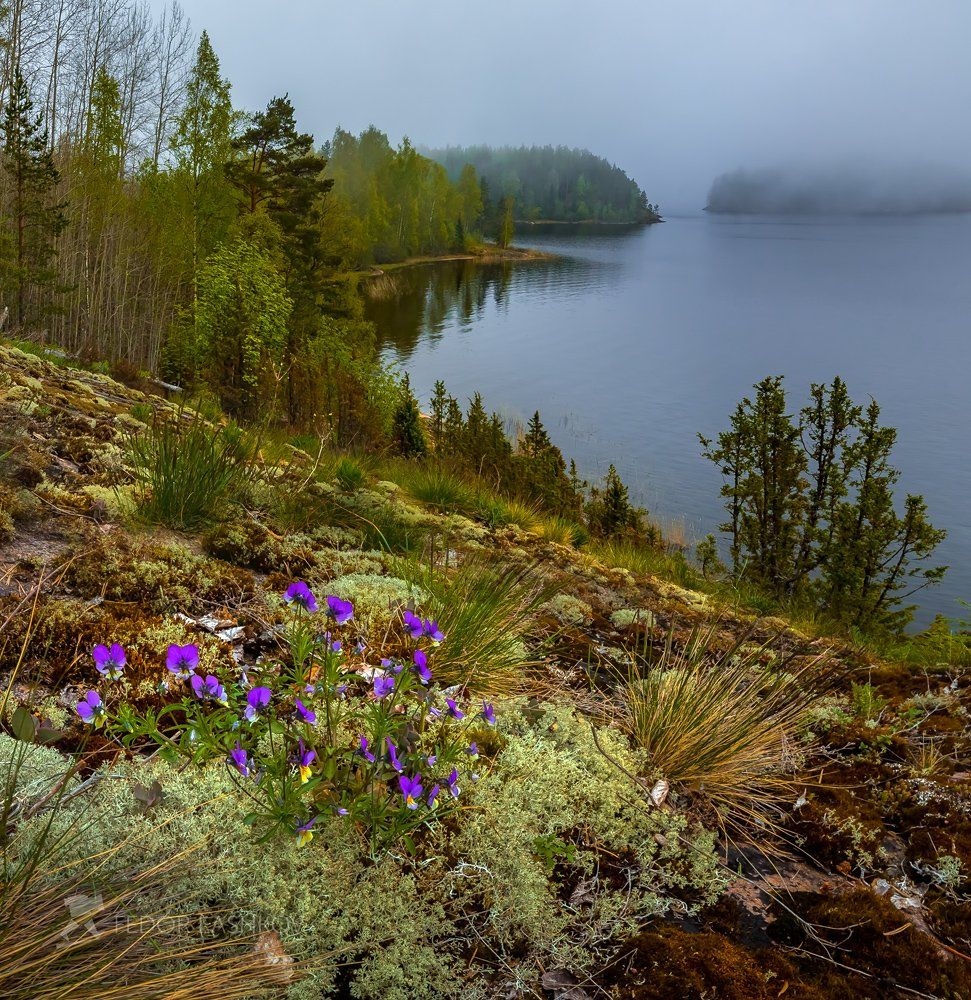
pixel 340 611
pixel 307 714
pixel 182 660
pixel 341 811
pixel 473 750
pixel 360 646
pixel 305 832
pixel 393 755
pixel 421 666
pixel 432 630
pixel 383 686
pixel 208 689
pixel 413 625
pixel 410 789
pixel 240 760
pixel 364 751
pixel 109 662
pixel 392 665
pixel 256 700
pixel 453 783
pixel 433 795
pixel 453 710
pixel 299 594
pixel 92 709
pixel 488 713
pixel 305 758
pixel 432 759
pixel 435 713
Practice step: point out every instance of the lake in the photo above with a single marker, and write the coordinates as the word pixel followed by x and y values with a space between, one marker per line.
pixel 631 343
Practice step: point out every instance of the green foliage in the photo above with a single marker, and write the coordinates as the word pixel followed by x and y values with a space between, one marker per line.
pixel 811 507
pixel 441 490
pixel 550 183
pixel 243 311
pixel 349 474
pixel 866 702
pixel 188 474
pixel 487 611
pixel 609 511
pixel 409 436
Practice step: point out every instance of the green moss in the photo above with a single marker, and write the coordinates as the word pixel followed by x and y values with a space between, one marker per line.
pixel 376 598
pixel 569 610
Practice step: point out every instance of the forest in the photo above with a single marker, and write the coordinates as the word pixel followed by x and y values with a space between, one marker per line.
pixel 552 183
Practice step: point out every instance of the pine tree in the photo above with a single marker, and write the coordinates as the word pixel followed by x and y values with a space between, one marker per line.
pixel 409 436
pixel 610 511
pixel 33 217
pixel 507 225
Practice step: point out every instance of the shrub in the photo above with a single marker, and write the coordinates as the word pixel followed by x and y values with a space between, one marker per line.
pixel 720 723
pixel 188 474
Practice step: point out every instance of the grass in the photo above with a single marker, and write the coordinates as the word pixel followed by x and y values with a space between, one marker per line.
pixel 498 512
pixel 189 473
pixel 486 610
pixel 348 473
pixel 648 560
pixel 720 723
pixel 439 489
pixel 562 531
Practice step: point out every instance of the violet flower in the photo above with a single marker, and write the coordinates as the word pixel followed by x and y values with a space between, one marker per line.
pixel 433 795
pixel 109 662
pixel 364 751
pixel 413 625
pixel 453 710
pixel 393 755
pixel 473 750
pixel 92 709
pixel 299 594
pixel 209 689
pixel 488 713
pixel 421 666
pixel 182 660
pixel 304 759
pixel 238 757
pixel 392 666
pixel 453 783
pixel 410 789
pixel 307 714
pixel 383 686
pixel 305 832
pixel 340 611
pixel 432 630
pixel 341 811
pixel 256 700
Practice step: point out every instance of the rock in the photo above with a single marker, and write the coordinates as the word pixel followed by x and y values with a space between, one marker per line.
pixel 270 949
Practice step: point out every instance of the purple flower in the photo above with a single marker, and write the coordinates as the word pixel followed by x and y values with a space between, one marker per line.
pixel 453 710
pixel 432 759
pixel 473 750
pixel 109 662
pixel 182 660
pixel 340 611
pixel 360 646
pixel 341 811
pixel 300 594
pixel 364 752
pixel 304 759
pixel 453 783
pixel 383 686
pixel 392 665
pixel 305 832
pixel 209 689
pixel 432 630
pixel 307 714
pixel 238 757
pixel 92 710
pixel 488 713
pixel 256 700
pixel 411 789
pixel 413 625
pixel 421 666
pixel 433 795
pixel 435 713
pixel 393 755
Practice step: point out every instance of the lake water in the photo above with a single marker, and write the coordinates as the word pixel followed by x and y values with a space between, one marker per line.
pixel 630 344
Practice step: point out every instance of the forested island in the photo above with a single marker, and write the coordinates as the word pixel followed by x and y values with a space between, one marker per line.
pixel 552 183
pixel 840 191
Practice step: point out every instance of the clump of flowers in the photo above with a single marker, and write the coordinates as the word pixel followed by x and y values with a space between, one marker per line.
pixel 316 732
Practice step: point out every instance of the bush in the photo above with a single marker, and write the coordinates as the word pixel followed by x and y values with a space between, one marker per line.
pixel 189 474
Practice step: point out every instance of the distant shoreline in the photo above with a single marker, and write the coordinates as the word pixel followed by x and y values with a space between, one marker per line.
pixel 485 254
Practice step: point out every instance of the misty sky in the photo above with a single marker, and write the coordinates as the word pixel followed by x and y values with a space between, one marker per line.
pixel 675 93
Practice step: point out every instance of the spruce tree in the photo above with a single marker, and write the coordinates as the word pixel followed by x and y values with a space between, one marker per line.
pixel 407 430
pixel 33 216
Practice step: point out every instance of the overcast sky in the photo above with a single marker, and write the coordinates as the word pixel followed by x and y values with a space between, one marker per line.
pixel 674 92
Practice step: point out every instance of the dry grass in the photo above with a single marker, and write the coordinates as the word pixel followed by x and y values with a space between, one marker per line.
pixel 722 724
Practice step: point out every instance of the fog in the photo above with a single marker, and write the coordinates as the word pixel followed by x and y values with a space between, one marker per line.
pixel 841 190
pixel 676 94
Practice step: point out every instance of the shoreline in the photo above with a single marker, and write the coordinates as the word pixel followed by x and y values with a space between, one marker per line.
pixel 489 254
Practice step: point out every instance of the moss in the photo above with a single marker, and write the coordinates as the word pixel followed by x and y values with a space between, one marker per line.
pixel 626 617
pixel 569 610
pixel 28 771
pixel 376 598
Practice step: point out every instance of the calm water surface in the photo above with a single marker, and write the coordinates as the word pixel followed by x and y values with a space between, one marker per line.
pixel 630 344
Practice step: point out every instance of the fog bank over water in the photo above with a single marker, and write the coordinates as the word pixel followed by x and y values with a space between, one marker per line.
pixel 856 190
